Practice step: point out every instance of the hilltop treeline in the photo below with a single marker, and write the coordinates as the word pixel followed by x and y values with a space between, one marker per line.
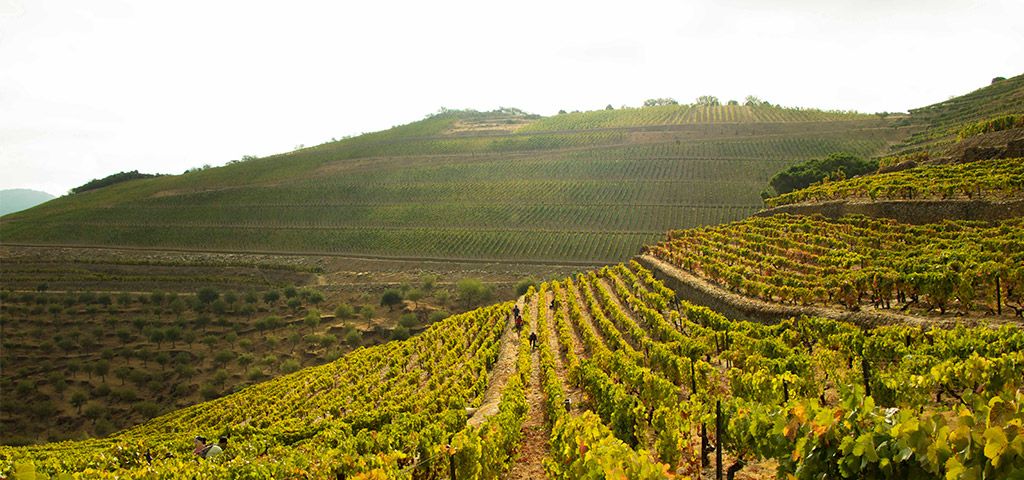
pixel 111 180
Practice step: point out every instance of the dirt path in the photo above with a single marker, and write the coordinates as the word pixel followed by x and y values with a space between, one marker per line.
pixel 504 367
pixel 533 448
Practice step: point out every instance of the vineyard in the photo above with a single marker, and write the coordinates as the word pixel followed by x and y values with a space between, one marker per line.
pixel 858 262
pixel 564 192
pixel 628 381
pixel 939 125
pixel 999 179
pixel 683 115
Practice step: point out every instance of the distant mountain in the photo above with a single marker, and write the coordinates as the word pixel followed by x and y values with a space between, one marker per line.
pixel 18 199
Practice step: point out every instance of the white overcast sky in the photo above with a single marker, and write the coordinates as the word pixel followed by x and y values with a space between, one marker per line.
pixel 93 87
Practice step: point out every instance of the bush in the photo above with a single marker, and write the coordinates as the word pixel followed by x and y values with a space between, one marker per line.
pixel 290 365
pixel 209 392
pixel 408 320
pixel 438 315
pixel 353 337
pixel 400 333
pixel 524 285
pixel 344 311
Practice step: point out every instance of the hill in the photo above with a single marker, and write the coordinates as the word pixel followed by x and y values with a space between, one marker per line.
pixel 939 124
pixel 583 187
pixel 625 381
pixel 18 199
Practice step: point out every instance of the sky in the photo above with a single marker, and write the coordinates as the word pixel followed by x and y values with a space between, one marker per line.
pixel 91 88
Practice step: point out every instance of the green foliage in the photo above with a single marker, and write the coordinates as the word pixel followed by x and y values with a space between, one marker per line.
pixel 524 285
pixel 111 180
pixel 582 447
pixel 473 291
pixel 390 298
pixel 835 166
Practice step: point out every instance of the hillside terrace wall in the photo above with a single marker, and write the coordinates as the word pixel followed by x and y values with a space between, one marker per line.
pixel 908 211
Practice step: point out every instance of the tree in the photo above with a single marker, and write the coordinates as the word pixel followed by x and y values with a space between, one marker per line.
pixel 294 304
pixel 391 298
pixel 414 295
pixel 472 291
pixel 156 336
pixel 172 334
pixel 122 373
pixel 223 357
pixel 753 101
pixel 344 311
pixel 207 295
pixel 658 102
pixel 271 297
pixel 59 384
pixel 312 319
pixel 244 360
pixel 314 297
pixel 368 313
pixel 290 292
pixel 708 101
pixel 102 368
pixel 78 399
pixel 609 107
pixel 804 174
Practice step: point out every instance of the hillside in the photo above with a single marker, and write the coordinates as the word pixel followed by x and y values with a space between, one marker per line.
pixel 18 199
pixel 579 187
pixel 626 381
pixel 939 123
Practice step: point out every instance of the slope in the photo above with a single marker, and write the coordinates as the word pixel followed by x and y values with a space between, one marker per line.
pixel 643 373
pixel 938 124
pixel 497 185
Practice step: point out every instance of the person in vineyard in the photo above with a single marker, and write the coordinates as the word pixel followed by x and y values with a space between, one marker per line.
pixel 200 443
pixel 515 311
pixel 217 449
pixel 533 340
pixel 519 323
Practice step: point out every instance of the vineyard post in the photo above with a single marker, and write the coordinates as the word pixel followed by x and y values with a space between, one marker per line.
pixel 719 435
pixel 999 301
pixel 693 379
pixel 704 444
pixel 866 375
pixel 451 467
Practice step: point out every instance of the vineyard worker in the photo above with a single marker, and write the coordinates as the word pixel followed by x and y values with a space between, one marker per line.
pixel 217 449
pixel 515 311
pixel 533 340
pixel 200 444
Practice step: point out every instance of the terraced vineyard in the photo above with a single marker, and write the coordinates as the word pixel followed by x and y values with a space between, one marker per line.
pixel 999 179
pixel 859 261
pixel 940 123
pixel 654 388
pixel 543 190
